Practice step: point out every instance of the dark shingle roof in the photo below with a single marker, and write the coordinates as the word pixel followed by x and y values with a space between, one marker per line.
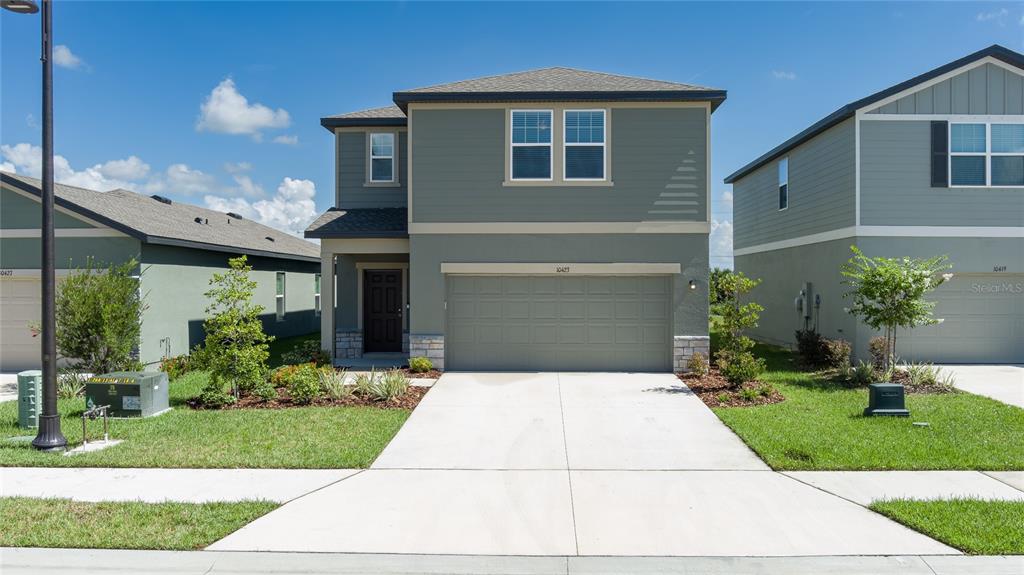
pixel 996 51
pixel 156 222
pixel 387 116
pixel 559 84
pixel 360 223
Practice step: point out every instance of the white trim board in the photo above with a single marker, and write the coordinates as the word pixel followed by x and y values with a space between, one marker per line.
pixel 648 227
pixel 885 231
pixel 584 269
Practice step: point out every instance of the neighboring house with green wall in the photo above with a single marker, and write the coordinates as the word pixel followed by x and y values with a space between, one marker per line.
pixel 554 219
pixel 178 246
pixel 931 166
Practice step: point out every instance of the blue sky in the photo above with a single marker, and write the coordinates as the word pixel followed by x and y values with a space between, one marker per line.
pixel 132 78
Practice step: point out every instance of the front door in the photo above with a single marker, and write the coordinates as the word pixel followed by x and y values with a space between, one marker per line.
pixel 382 310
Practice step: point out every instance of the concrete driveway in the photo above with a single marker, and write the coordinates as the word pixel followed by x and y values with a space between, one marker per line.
pixel 572 464
pixel 1003 383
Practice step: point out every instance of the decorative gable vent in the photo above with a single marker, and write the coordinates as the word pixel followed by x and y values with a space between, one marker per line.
pixel 161 199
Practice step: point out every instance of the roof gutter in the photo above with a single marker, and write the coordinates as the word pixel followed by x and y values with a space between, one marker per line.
pixel 716 97
pixel 329 123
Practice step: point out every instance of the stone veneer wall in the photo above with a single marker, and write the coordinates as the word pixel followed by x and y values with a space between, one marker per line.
pixel 684 346
pixel 348 344
pixel 429 346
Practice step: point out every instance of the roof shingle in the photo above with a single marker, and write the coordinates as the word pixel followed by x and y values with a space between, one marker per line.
pixel 360 223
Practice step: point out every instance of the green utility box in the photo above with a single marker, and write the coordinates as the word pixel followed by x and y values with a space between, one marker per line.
pixel 128 393
pixel 886 399
pixel 30 398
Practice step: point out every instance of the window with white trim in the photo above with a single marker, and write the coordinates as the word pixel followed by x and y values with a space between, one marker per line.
pixel 986 155
pixel 584 141
pixel 279 296
pixel 783 183
pixel 531 145
pixel 316 294
pixel 382 157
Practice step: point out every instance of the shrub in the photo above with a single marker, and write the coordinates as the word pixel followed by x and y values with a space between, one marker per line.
pixel 99 317
pixel 862 374
pixel 364 383
pixel 175 366
pixel 722 398
pixel 735 359
pixel 214 396
pixel 420 364
pixel 836 353
pixel 390 385
pixel 926 374
pixel 741 367
pixel 332 383
pixel 878 347
pixel 765 389
pixel 749 394
pixel 70 384
pixel 698 364
pixel 304 384
pixel 308 351
pixel 817 351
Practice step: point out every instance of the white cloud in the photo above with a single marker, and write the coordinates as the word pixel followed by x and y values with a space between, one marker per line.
pixel 291 209
pixel 784 75
pixel 27 159
pixel 7 167
pixel 246 186
pixel 721 242
pixel 287 140
pixel 999 16
pixel 226 111
pixel 727 199
pixel 130 168
pixel 65 58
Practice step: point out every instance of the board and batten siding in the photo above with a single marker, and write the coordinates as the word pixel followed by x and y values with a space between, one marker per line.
pixel 353 187
pixel 986 89
pixel 658 168
pixel 821 192
pixel 895 188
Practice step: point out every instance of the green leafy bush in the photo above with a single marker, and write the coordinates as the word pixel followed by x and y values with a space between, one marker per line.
pixel 175 366
pixel 741 367
pixel 364 383
pixel 819 352
pixel 735 359
pixel 70 384
pixel 928 375
pixel 836 353
pixel 420 365
pixel 698 364
pixel 304 384
pixel 860 375
pixel 213 395
pixel 749 393
pixel 308 351
pixel 390 385
pixel 332 383
pixel 878 347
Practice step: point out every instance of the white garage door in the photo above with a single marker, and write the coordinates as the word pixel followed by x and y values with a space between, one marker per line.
pixel 559 323
pixel 19 307
pixel 983 322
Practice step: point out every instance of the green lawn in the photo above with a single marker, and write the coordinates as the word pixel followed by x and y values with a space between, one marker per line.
pixel 30 522
pixel 283 344
pixel 821 426
pixel 971 525
pixel 309 437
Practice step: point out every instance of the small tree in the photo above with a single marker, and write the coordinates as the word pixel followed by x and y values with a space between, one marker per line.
pixel 735 359
pixel 718 293
pixel 99 317
pixel 236 349
pixel 888 293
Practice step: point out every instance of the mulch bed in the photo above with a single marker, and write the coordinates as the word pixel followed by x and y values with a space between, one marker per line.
pixel 715 391
pixel 432 374
pixel 904 378
pixel 408 401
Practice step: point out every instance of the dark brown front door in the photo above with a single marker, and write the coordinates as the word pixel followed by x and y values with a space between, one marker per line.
pixel 382 310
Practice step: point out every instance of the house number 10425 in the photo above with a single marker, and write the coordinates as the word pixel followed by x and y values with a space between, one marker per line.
pixel 561 269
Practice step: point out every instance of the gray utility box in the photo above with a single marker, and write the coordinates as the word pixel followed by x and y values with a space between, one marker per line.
pixel 128 393
pixel 886 399
pixel 30 398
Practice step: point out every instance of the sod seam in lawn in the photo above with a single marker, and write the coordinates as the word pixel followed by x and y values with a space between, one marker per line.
pixel 30 522
pixel 821 426
pixel 306 437
pixel 973 526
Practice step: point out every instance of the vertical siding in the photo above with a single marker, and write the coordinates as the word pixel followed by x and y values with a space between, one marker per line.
pixel 821 192
pixel 353 190
pixel 987 89
pixel 896 190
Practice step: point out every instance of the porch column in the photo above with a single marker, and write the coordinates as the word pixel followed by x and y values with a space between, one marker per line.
pixel 328 300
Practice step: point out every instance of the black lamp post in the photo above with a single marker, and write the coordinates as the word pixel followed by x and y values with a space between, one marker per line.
pixel 49 436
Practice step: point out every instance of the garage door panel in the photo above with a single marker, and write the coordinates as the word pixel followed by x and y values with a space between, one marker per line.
pixel 560 323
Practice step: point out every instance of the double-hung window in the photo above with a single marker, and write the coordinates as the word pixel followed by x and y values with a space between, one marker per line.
pixel 584 144
pixel 316 294
pixel 986 155
pixel 531 144
pixel 382 157
pixel 279 296
pixel 783 183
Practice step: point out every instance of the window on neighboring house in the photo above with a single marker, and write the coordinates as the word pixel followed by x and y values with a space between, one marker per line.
pixel 584 144
pixel 783 183
pixel 986 155
pixel 531 144
pixel 316 294
pixel 279 296
pixel 382 157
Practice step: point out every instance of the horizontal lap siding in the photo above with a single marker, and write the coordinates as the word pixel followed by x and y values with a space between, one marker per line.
pixel 896 184
pixel 821 192
pixel 351 177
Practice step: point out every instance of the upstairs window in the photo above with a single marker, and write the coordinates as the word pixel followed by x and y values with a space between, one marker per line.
pixel 986 155
pixel 531 144
pixel 783 183
pixel 584 144
pixel 382 157
pixel 316 294
pixel 279 296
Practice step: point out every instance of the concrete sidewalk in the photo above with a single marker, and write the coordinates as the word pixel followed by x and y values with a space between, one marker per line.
pixel 107 562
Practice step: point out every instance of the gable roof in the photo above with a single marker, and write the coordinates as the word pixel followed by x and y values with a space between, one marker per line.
pixel 559 84
pixel 155 222
pixel 386 116
pixel 361 223
pixel 995 51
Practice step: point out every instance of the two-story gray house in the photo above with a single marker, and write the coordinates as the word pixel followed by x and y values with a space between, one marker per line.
pixel 554 219
pixel 931 166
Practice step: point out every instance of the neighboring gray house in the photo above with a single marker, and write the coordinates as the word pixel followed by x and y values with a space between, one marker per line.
pixel 932 166
pixel 553 219
pixel 179 247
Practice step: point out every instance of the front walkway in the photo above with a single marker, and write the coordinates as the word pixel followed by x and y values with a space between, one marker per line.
pixel 573 464
pixel 1003 383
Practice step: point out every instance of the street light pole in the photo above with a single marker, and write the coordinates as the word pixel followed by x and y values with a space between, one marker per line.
pixel 49 436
